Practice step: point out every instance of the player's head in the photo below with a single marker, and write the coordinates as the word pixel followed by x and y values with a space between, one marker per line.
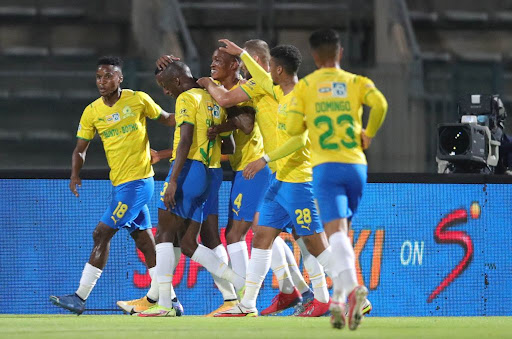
pixel 109 74
pixel 175 79
pixel 284 62
pixel 259 51
pixel 224 65
pixel 325 46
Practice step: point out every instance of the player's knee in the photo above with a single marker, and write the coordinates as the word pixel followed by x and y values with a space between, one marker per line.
pixel 99 236
pixel 234 235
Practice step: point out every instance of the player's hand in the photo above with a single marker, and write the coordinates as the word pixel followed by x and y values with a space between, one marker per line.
pixel 212 133
pixel 169 201
pixel 365 140
pixel 154 156
pixel 231 47
pixel 165 60
pixel 204 82
pixel 73 183
pixel 253 168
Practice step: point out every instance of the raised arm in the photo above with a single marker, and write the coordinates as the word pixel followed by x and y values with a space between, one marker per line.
pixel 259 75
pixel 77 161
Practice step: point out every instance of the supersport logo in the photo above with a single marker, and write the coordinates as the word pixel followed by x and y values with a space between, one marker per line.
pixel 443 236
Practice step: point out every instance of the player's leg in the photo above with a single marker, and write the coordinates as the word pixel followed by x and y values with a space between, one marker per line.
pixel 211 239
pixel 259 265
pixel 318 303
pixel 246 197
pixel 276 218
pixel 339 197
pixel 92 271
pixel 127 202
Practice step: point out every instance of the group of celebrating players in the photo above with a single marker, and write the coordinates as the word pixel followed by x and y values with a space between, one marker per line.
pixel 296 148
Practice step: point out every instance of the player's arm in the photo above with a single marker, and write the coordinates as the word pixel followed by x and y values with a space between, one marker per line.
pixel 259 75
pixel 243 118
pixel 167 118
pixel 156 156
pixel 295 124
pixel 224 97
pixel 238 117
pixel 186 137
pixel 378 109
pixel 77 161
pixel 292 145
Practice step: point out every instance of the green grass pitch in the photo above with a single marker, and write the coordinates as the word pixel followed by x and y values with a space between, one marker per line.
pixel 118 326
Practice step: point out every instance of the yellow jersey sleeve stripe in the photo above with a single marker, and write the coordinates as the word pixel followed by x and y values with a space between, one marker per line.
pixel 246 92
pixel 185 122
pixel 159 115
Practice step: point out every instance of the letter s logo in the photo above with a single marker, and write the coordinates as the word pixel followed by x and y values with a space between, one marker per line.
pixel 442 236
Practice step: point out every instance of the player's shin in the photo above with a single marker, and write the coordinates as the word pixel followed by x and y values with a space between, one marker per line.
pixel 164 265
pixel 90 276
pixel 280 268
pixel 343 264
pixel 152 294
pixel 317 277
pixel 224 286
pixel 207 258
pixel 296 274
pixel 256 272
pixel 239 256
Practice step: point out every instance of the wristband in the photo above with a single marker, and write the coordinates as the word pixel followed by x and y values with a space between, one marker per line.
pixel 266 158
pixel 243 52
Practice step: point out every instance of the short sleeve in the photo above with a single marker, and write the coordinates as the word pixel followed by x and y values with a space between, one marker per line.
pixel 86 129
pixel 251 88
pixel 186 109
pixel 151 109
pixel 366 86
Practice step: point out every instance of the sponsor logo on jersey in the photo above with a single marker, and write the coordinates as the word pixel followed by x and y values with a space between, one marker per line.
pixel 113 118
pixel 127 112
pixel 332 89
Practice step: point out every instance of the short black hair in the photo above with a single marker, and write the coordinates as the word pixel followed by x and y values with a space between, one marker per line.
pixel 288 57
pixel 324 37
pixel 110 60
pixel 175 69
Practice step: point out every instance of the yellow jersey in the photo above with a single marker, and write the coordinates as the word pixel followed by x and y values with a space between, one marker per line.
pixel 122 129
pixel 295 167
pixel 331 100
pixel 197 107
pixel 266 116
pixel 248 147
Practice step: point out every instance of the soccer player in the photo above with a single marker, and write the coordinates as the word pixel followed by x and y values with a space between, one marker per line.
pixel 283 262
pixel 186 187
pixel 119 117
pixel 328 104
pixel 289 201
pixel 246 195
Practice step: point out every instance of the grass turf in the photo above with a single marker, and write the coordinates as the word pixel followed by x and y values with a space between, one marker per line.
pixel 118 326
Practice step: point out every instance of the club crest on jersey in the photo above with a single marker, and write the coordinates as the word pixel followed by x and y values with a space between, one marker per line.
pixel 127 112
pixel 214 109
pixel 332 89
pixel 113 118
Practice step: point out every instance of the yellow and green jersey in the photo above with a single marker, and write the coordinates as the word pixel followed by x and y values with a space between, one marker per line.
pixel 248 147
pixel 331 100
pixel 296 167
pixel 122 129
pixel 266 116
pixel 197 107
